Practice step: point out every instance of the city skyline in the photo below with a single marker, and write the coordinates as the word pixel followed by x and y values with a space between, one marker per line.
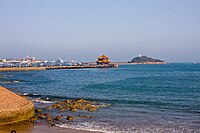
pixel 83 30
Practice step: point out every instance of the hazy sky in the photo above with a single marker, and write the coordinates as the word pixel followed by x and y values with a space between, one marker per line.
pixel 85 29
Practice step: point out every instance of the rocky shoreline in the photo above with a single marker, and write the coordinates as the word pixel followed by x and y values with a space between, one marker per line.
pixel 146 60
pixel 151 63
pixel 45 115
pixel 17 113
pixel 27 127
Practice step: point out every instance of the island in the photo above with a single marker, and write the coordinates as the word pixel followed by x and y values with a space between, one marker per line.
pixel 146 60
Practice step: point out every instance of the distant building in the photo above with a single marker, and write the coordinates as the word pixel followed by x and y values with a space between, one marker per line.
pixel 103 59
pixel 4 60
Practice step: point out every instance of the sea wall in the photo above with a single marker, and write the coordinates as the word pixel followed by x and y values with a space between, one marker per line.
pixel 57 67
pixel 22 69
pixel 14 108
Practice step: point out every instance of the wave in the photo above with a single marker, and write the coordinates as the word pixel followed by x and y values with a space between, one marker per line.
pixel 53 99
pixel 108 102
pixel 106 127
pixel 95 127
pixel 11 81
pixel 42 101
pixel 39 98
pixel 30 94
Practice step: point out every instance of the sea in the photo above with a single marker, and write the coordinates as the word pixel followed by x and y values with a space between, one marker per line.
pixel 133 98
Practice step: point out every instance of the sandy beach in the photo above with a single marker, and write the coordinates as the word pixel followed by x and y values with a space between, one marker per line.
pixel 27 127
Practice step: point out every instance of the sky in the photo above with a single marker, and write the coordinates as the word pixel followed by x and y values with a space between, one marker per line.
pixel 84 29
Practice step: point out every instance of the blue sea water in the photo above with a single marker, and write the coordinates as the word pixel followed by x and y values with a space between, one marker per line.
pixel 142 98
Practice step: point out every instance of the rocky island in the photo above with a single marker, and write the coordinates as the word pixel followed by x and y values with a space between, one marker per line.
pixel 146 60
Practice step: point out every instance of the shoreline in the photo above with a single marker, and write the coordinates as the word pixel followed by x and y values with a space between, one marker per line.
pixel 142 63
pixel 22 69
pixel 18 118
pixel 27 127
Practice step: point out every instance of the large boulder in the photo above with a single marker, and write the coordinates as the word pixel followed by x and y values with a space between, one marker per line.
pixel 14 108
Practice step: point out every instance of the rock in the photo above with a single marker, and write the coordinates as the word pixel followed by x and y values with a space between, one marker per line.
pixel 49 119
pixel 56 106
pixel 57 118
pixel 81 101
pixel 38 111
pixel 73 110
pixel 14 108
pixel 63 103
pixel 53 124
pixel 70 118
pixel 67 101
pixel 87 106
pixel 49 108
pixel 41 116
pixel 63 109
pixel 82 108
pixel 13 131
pixel 48 115
pixel 92 109
pixel 75 106
pixel 34 118
pixel 84 116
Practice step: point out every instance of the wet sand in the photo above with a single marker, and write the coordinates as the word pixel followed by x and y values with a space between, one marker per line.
pixel 39 128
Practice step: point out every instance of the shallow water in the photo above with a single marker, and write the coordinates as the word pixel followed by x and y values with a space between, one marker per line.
pixel 143 98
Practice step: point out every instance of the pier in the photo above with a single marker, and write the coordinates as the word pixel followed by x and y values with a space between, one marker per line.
pixel 31 64
pixel 83 67
pixel 57 67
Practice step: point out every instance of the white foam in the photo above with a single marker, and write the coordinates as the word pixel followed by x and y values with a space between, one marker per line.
pixel 42 101
pixel 16 81
pixel 6 82
pixel 107 128
pixel 26 94
pixel 82 126
pixel 94 127
pixel 104 105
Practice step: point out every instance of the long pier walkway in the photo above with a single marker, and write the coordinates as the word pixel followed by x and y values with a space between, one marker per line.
pixel 56 67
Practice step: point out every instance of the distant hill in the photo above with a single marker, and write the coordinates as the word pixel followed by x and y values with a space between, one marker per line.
pixel 146 60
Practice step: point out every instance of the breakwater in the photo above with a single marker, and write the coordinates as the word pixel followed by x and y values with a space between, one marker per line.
pixel 21 69
pixel 57 67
